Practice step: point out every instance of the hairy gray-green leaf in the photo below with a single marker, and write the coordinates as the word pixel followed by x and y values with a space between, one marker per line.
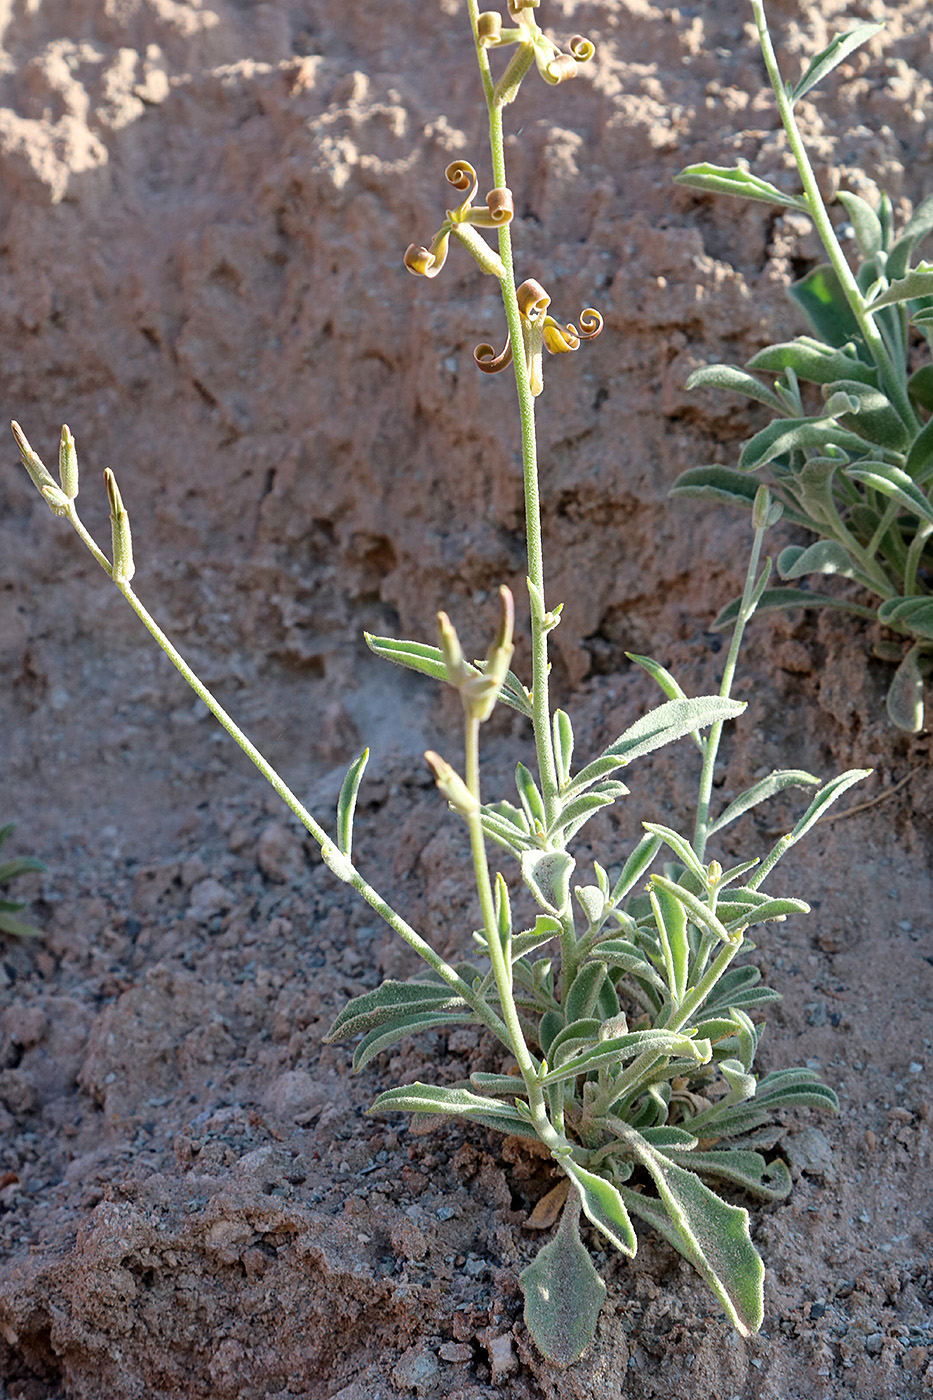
pixel 905 694
pixel 733 180
pixel 760 792
pixel 389 1001
pixel 346 803
pixel 736 381
pixel 814 361
pixel 663 725
pixel 460 1103
pixel 711 1234
pixel 715 483
pixel 835 53
pixel 603 1207
pixel 917 283
pixel 563 1292
pixel 547 874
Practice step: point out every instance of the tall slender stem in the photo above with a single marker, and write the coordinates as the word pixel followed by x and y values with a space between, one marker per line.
pixel 893 382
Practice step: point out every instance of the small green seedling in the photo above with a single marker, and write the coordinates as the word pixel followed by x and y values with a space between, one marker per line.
pixel 850 458
pixel 9 908
pixel 628 1005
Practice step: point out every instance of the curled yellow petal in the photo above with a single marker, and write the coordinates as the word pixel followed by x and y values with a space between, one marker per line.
pixel 462 176
pixel 427 262
pixel 501 205
pixel 581 49
pixel 558 68
pixel 489 362
pixel 591 323
pixel 560 339
pixel 489 29
pixel 516 7
pixel 533 300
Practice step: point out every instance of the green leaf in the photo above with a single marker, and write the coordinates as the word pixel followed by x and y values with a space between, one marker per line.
pixel 460 1103
pixel 619 952
pixel 793 434
pixel 429 661
pixel 868 231
pixel 391 1032
pixel 17 928
pixel 822 300
pixel 712 1235
pixel 919 464
pixel 892 482
pixel 563 1292
pixel 775 782
pixel 777 599
pixel 346 803
pixel 563 745
pixel 733 180
pixel 581 999
pixel 659 673
pixel 814 361
pixel 715 483
pixel 700 914
pixel 619 1048
pixel 603 1206
pixel 734 380
pixel 389 1001
pixel 670 917
pixel 834 54
pixel 825 798
pixel 681 847
pixel 913 614
pixel 868 413
pixel 824 557
pixel 769 1181
pixel 546 927
pixel 531 799
pixel 905 694
pixel 669 722
pixel 579 809
pixel 638 862
pixel 918 226
pixel 507 826
pixel 547 874
pixel 920 383
pixel 23 865
pixel 917 283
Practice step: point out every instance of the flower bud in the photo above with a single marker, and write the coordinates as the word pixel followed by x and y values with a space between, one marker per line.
pixel 452 785
pixel 454 664
pixel 41 477
pixel 68 463
pixel 123 566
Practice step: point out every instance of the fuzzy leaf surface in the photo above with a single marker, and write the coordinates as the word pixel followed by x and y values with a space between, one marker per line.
pixel 733 180
pixel 835 53
pixel 389 1001
pixel 563 1292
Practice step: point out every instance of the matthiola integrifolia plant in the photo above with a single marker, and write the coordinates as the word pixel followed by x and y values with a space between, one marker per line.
pixel 850 450
pixel 627 1009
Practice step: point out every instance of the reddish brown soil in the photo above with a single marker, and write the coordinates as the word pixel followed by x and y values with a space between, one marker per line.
pixel 203 207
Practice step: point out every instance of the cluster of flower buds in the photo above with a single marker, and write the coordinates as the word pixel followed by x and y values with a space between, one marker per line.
pixel 554 65
pixel 479 691
pixel 540 332
pixel 462 222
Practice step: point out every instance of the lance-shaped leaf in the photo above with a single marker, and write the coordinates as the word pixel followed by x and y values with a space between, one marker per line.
pixel 737 381
pixel 459 1103
pixel 835 53
pixel 563 745
pixel 822 300
pixel 508 827
pixel 767 787
pixel 892 482
pixel 381 1037
pixel 789 434
pixel 563 1292
pixel 580 1001
pixel 346 803
pixel 636 865
pixel 712 1235
pixel 738 987
pixel 905 693
pixel 547 874
pixel 814 361
pixel 386 1003
pixel 619 1048
pixel 824 557
pixel 546 927
pixel 733 180
pixel 917 283
pixel 779 599
pixel 699 913
pixel 429 661
pixel 670 917
pixel 823 800
pixel 603 1206
pixel 669 722
pixel 768 1181
pixel 869 235
pixel 681 848
pixel 577 811
pixel 619 952
pixel 715 483
pixel 918 226
pixel 739 911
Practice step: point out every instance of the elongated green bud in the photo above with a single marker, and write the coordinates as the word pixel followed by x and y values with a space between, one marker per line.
pixel 481 692
pixel 123 566
pixel 68 463
pixel 454 663
pixel 41 477
pixel 451 784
